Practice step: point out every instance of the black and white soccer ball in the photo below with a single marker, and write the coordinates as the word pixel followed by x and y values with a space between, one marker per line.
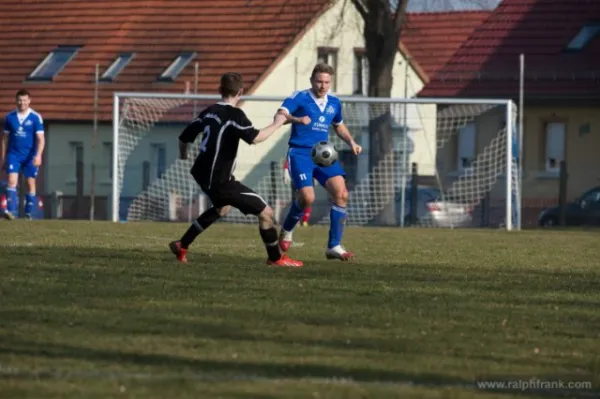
pixel 324 154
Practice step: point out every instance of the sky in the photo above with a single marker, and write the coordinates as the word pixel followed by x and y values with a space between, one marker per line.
pixel 445 5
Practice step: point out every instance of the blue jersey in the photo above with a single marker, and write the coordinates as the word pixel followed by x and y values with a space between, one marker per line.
pixel 22 131
pixel 322 112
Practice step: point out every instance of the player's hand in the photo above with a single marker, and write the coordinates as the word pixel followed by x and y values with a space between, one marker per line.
pixel 356 149
pixel 37 161
pixel 286 177
pixel 305 120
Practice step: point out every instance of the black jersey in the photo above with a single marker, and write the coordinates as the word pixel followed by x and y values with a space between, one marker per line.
pixel 222 127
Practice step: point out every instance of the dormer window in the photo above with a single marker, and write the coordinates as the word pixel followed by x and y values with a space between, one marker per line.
pixel 584 37
pixel 178 64
pixel 54 62
pixel 116 67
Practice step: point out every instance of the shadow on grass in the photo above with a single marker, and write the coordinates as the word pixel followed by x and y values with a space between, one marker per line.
pixel 216 370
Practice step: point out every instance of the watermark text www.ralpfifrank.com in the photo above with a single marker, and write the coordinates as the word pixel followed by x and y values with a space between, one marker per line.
pixel 532 384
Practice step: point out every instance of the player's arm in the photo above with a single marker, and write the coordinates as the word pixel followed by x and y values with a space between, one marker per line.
pixel 285 112
pixel 4 142
pixel 40 142
pixel 247 132
pixel 265 133
pixel 343 133
pixel 303 120
pixel 188 136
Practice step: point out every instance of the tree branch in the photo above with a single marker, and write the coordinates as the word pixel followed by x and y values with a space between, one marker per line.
pixel 360 7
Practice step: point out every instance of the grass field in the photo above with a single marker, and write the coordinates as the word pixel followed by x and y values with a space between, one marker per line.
pixel 101 310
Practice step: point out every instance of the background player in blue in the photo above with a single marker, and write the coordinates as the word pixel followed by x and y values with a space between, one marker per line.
pixel 22 146
pixel 312 111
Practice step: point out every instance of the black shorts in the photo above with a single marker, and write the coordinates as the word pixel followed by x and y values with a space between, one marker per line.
pixel 237 195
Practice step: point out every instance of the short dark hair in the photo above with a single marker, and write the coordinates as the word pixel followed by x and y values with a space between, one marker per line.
pixel 22 92
pixel 322 68
pixel 231 84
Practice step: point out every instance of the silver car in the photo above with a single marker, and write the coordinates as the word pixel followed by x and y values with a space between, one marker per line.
pixel 432 211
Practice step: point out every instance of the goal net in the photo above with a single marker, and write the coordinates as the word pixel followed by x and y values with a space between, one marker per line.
pixel 425 162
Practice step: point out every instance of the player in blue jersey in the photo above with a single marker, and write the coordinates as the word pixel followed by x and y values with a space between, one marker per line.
pixel 312 111
pixel 21 149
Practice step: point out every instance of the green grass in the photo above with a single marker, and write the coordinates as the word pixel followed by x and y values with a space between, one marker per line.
pixel 103 310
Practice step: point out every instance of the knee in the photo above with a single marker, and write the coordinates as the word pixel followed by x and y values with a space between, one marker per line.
pixel 31 184
pixel 266 216
pixel 12 180
pixel 306 199
pixel 340 197
pixel 223 210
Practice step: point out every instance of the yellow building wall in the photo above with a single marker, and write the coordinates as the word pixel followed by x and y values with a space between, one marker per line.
pixel 582 140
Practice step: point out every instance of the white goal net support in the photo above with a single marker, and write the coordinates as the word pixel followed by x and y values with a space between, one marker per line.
pixel 425 162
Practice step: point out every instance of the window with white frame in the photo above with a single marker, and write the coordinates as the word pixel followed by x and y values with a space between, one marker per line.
pixel 466 147
pixel 555 146
pixel 158 161
pixel 107 158
pixel 328 55
pixel 360 75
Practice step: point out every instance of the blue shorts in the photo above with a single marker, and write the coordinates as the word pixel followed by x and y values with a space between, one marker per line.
pixel 303 169
pixel 16 164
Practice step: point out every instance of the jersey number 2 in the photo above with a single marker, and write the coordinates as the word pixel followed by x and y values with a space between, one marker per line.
pixel 205 138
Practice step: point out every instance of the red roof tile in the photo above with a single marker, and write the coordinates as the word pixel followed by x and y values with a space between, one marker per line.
pixel 247 36
pixel 487 64
pixel 432 38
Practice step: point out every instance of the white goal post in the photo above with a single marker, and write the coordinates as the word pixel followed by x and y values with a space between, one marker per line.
pixel 443 162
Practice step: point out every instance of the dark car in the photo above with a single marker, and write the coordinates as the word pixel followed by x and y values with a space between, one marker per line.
pixel 584 211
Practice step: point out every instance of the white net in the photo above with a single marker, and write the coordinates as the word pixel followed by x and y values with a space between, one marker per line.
pixel 435 165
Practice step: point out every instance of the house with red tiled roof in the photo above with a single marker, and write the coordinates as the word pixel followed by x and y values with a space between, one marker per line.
pixel 430 39
pixel 560 40
pixel 161 46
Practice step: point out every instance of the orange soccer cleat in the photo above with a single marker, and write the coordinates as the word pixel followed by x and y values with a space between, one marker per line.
pixel 285 261
pixel 180 253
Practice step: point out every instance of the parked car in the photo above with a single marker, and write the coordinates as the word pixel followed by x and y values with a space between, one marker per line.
pixel 432 210
pixel 584 211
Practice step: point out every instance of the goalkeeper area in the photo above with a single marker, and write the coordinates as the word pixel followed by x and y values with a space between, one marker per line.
pixel 103 309
pixel 425 162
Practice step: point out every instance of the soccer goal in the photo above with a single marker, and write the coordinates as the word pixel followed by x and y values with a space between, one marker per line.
pixel 425 162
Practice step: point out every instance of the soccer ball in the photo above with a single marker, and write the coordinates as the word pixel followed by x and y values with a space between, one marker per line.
pixel 324 154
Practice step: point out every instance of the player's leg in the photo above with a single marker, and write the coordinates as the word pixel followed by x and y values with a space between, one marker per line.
pixel 301 169
pixel 250 203
pixel 203 222
pixel 30 173
pixel 13 167
pixel 306 216
pixel 332 178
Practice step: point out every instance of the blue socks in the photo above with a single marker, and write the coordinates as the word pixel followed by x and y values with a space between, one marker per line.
pixel 293 216
pixel 12 201
pixel 30 203
pixel 337 220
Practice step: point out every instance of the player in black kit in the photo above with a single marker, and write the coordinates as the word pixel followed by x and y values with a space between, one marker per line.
pixel 222 126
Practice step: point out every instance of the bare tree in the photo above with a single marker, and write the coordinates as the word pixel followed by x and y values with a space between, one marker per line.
pixel 383 22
